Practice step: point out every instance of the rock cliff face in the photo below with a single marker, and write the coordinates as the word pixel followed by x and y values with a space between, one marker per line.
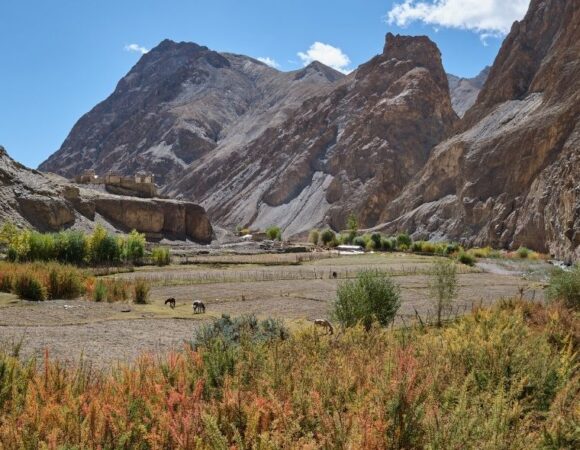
pixel 181 103
pixel 464 91
pixel 48 203
pixel 350 150
pixel 511 176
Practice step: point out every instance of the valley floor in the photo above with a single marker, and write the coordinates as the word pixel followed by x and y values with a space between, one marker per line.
pixel 104 333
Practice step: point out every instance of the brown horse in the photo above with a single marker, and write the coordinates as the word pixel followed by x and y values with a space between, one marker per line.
pixel 324 324
pixel 198 307
pixel 171 302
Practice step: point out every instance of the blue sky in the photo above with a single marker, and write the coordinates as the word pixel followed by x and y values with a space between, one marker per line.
pixel 61 57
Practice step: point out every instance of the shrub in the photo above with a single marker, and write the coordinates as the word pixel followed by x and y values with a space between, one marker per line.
pixel 404 239
pixel 161 256
pixel 359 240
pixel 375 241
pixel 327 237
pixel 100 292
pixel 231 331
pixel 417 246
pixel 452 248
pixel 371 297
pixel 133 247
pixel 141 290
pixel 104 248
pixel 386 244
pixel 245 231
pixel 466 258
pixel 64 282
pixel 5 282
pixel 274 233
pixel 565 286
pixel 314 237
pixel 523 252
pixel 28 287
pixel 117 290
pixel 443 286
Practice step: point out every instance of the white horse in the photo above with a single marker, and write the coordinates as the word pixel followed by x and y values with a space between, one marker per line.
pixel 198 307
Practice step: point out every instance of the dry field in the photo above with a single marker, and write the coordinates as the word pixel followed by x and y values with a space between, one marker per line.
pixel 268 285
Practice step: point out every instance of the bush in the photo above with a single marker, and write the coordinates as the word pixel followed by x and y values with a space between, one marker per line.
pixel 274 233
pixel 371 297
pixel 141 290
pixel 327 237
pixel 452 248
pixel 28 287
pixel 103 248
pixel 404 239
pixel 100 292
pixel 6 282
pixel 466 258
pixel 443 286
pixel 523 252
pixel 231 331
pixel 359 240
pixel 314 237
pixel 375 241
pixel 161 256
pixel 117 290
pixel 64 282
pixel 133 247
pixel 386 244
pixel 565 286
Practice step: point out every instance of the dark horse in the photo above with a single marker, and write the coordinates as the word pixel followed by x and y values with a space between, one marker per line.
pixel 198 307
pixel 171 302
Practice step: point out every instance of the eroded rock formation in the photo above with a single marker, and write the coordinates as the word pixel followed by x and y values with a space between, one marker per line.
pixel 350 150
pixel 511 176
pixel 48 203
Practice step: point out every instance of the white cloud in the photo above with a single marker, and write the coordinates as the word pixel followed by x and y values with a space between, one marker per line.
pixel 485 17
pixel 136 48
pixel 269 61
pixel 326 54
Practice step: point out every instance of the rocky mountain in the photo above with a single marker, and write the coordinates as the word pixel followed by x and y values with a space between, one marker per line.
pixel 464 91
pixel 180 103
pixel 32 199
pixel 511 176
pixel 352 149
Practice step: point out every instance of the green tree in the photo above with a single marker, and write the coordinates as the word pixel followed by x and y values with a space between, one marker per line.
pixel 352 226
pixel 134 246
pixel 274 233
pixel 314 237
pixel 371 297
pixel 327 237
pixel 443 286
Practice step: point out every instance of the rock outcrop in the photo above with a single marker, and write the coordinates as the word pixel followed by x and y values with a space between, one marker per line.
pixel 464 91
pixel 48 203
pixel 511 176
pixel 181 103
pixel 350 150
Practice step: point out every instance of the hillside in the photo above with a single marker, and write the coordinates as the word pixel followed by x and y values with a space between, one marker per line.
pixel 351 150
pixel 510 177
pixel 31 199
pixel 180 103
pixel 464 91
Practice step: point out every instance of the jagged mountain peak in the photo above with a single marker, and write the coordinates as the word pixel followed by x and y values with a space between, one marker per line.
pixel 320 69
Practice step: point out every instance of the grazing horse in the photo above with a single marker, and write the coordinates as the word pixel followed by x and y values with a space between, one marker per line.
pixel 198 307
pixel 324 324
pixel 171 302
